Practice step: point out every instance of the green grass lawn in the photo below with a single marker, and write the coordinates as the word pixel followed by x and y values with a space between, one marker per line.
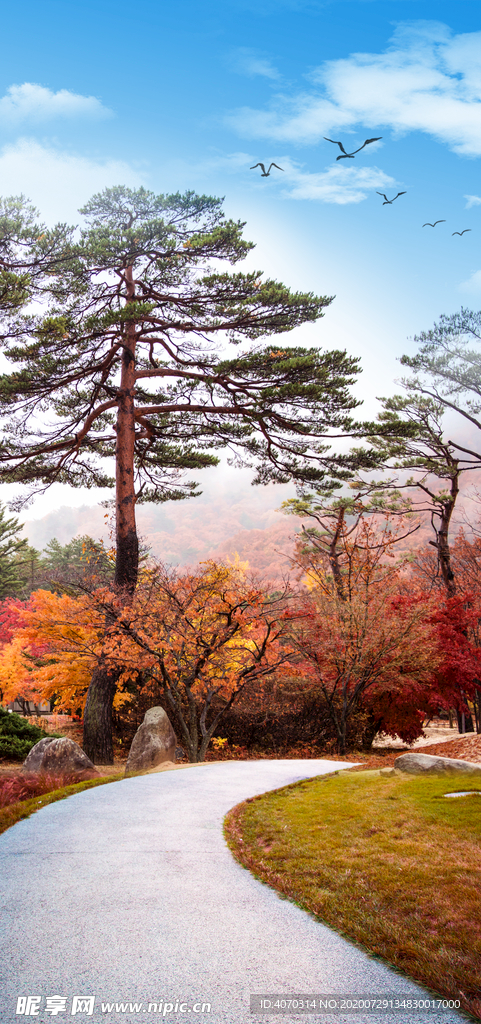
pixel 388 862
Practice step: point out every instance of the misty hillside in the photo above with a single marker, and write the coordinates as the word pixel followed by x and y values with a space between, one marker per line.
pixel 243 520
pixel 234 518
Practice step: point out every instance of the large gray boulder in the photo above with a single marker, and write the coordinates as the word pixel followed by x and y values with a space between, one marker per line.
pixel 58 756
pixel 431 764
pixel 154 742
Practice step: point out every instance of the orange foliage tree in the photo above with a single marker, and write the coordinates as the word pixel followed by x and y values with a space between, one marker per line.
pixel 16 679
pixel 49 648
pixel 198 638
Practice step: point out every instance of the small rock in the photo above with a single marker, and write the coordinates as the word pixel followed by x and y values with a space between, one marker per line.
pixel 429 764
pixel 387 771
pixel 154 742
pixel 57 755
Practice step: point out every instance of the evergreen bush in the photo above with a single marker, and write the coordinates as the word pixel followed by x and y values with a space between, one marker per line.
pixel 17 737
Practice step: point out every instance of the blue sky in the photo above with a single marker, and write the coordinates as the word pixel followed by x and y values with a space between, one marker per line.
pixel 191 95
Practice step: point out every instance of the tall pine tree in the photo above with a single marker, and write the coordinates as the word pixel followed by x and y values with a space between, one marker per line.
pixel 134 344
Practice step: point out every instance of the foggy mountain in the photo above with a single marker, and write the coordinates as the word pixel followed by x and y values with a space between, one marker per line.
pixel 232 518
pixel 245 520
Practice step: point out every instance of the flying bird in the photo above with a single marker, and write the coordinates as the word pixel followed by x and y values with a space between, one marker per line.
pixel 429 225
pixel 389 201
pixel 265 174
pixel 344 155
pixel 461 232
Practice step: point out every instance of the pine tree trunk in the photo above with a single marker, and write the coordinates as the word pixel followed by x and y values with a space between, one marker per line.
pixel 127 553
pixel 334 555
pixel 97 735
pixel 442 537
pixel 444 555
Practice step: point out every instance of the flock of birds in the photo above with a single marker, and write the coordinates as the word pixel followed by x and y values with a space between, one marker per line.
pixel 429 225
pixel 350 156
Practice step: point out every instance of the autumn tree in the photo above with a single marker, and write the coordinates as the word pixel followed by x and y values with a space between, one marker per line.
pixel 436 462
pixel 9 621
pixel 201 638
pixel 466 557
pixel 111 330
pixel 194 640
pixel 17 682
pixel 458 626
pixel 366 646
pixel 51 644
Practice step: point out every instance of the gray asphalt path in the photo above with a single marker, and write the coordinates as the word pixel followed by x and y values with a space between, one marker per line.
pixel 128 893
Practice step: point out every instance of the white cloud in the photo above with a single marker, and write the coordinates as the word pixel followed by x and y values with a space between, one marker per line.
pixel 473 285
pixel 472 201
pixel 31 102
pixel 340 185
pixel 427 80
pixel 290 120
pixel 58 183
pixel 250 62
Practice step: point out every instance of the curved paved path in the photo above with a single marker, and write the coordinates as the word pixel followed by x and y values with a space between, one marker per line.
pixel 128 893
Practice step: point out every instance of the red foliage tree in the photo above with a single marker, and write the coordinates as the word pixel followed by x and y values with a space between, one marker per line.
pixel 365 639
pixel 10 619
pixel 458 631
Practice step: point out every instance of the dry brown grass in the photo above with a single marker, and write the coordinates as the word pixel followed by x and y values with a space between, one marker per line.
pixel 24 808
pixel 388 862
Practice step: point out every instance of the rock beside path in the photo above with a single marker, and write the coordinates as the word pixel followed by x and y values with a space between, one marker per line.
pixel 429 764
pixel 58 755
pixel 154 742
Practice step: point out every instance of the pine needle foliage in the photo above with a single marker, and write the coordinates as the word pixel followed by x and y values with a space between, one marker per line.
pixel 153 268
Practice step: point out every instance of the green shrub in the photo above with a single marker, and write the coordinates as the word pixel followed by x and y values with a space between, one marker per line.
pixel 17 737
